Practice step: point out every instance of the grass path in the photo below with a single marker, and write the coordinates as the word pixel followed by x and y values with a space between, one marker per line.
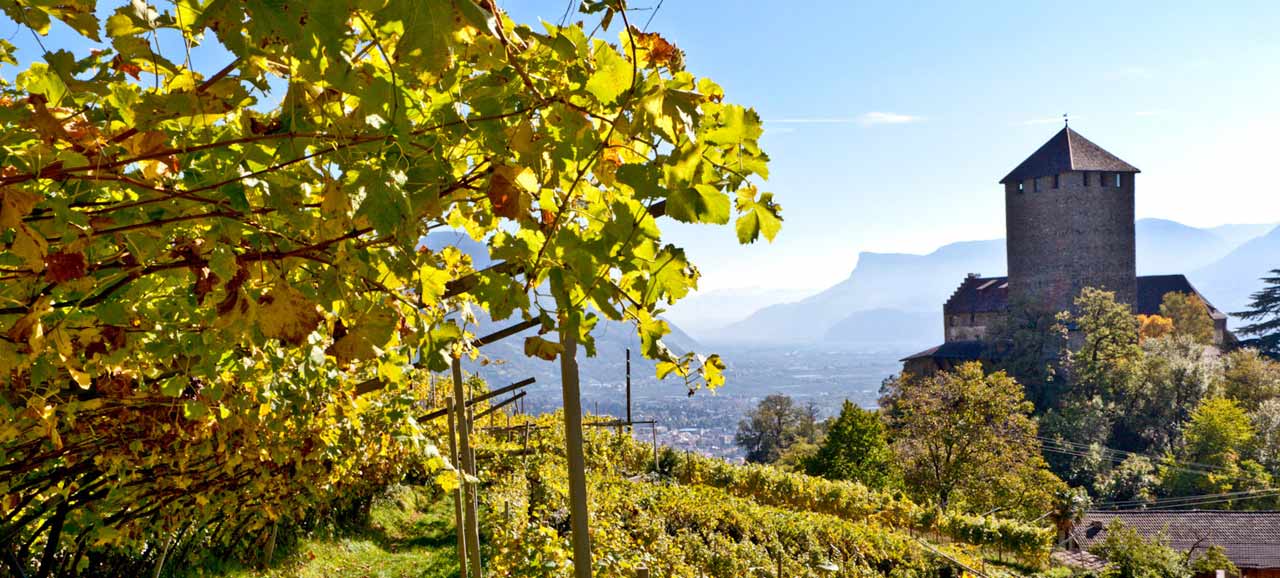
pixel 409 536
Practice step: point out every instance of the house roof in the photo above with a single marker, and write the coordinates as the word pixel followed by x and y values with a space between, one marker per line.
pixel 966 350
pixel 1067 151
pixel 1250 539
pixel 991 294
pixel 1153 288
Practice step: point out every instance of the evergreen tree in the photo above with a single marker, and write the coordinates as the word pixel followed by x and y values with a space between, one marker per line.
pixel 1264 313
pixel 855 448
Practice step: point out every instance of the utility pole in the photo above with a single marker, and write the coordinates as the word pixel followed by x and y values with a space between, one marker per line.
pixel 472 528
pixel 578 519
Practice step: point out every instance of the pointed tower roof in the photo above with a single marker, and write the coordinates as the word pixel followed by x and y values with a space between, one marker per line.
pixel 1068 151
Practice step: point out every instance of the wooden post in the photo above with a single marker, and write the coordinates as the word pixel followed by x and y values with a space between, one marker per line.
pixel 653 429
pixel 458 497
pixel 578 516
pixel 628 389
pixel 471 526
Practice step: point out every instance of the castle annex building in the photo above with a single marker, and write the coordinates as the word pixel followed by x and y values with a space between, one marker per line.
pixel 1069 223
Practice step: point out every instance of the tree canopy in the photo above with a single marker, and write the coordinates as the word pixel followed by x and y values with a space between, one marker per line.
pixel 775 425
pixel 967 439
pixel 856 448
pixel 1263 316
pixel 214 288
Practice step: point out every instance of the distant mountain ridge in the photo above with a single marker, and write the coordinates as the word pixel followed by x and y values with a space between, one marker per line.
pixel 907 291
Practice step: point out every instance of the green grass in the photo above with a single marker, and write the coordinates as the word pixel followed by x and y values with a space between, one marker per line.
pixel 408 536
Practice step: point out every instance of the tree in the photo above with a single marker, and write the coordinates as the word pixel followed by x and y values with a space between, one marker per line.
pixel 1129 555
pixel 1190 316
pixel 1177 372
pixel 1218 440
pixel 967 439
pixel 1026 344
pixel 1154 326
pixel 1250 378
pixel 215 306
pixel 1264 312
pixel 775 424
pixel 855 448
pixel 1214 559
pixel 1106 362
pixel 1266 422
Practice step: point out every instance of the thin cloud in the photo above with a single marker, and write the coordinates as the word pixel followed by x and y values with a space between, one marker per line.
pixel 888 118
pixel 866 119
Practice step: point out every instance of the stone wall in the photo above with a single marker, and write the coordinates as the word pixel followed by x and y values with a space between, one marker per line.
pixel 1065 238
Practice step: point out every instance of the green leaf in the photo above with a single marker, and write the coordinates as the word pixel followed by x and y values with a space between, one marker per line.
pixel 757 217
pixel 612 75
pixel 174 386
pixel 699 204
pixel 194 410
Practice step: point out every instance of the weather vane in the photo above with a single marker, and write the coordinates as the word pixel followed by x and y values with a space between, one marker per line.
pixel 1065 121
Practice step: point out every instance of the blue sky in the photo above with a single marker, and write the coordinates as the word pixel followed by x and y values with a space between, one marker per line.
pixel 1185 91
pixel 889 124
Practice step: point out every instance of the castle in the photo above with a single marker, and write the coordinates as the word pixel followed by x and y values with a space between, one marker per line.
pixel 1069 224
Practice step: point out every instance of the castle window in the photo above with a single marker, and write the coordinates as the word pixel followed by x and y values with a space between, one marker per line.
pixel 1035 185
pixel 1019 187
pixel 1117 180
pixel 1085 178
pixel 1055 181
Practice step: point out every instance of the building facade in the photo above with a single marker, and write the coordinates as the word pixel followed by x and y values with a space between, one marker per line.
pixel 1069 222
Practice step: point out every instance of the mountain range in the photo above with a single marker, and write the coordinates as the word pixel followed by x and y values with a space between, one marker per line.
pixel 897 297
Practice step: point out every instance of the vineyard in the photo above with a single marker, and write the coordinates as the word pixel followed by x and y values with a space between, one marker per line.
pixel 694 516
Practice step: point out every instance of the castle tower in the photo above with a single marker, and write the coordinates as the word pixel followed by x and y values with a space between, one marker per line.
pixel 1069 222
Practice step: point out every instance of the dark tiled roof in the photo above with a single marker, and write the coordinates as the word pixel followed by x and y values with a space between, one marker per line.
pixel 979 295
pixel 1153 288
pixel 1067 151
pixel 991 294
pixel 1250 539
pixel 965 350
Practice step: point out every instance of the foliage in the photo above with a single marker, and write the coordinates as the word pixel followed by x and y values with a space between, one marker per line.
pixel 1154 326
pixel 1134 481
pixel 1069 507
pixel 1106 363
pixel 966 439
pixel 855 448
pixel 1266 422
pixel 1250 378
pixel 1219 436
pixel 1214 559
pixel 1176 373
pixel 1264 315
pixel 774 425
pixel 707 518
pixel 1131 556
pixel 1026 344
pixel 216 312
pixel 1190 316
pixel 409 533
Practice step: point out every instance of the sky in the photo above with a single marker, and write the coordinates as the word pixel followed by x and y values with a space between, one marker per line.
pixel 889 124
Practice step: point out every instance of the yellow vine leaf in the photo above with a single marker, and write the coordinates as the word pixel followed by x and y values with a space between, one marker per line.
pixel 287 315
